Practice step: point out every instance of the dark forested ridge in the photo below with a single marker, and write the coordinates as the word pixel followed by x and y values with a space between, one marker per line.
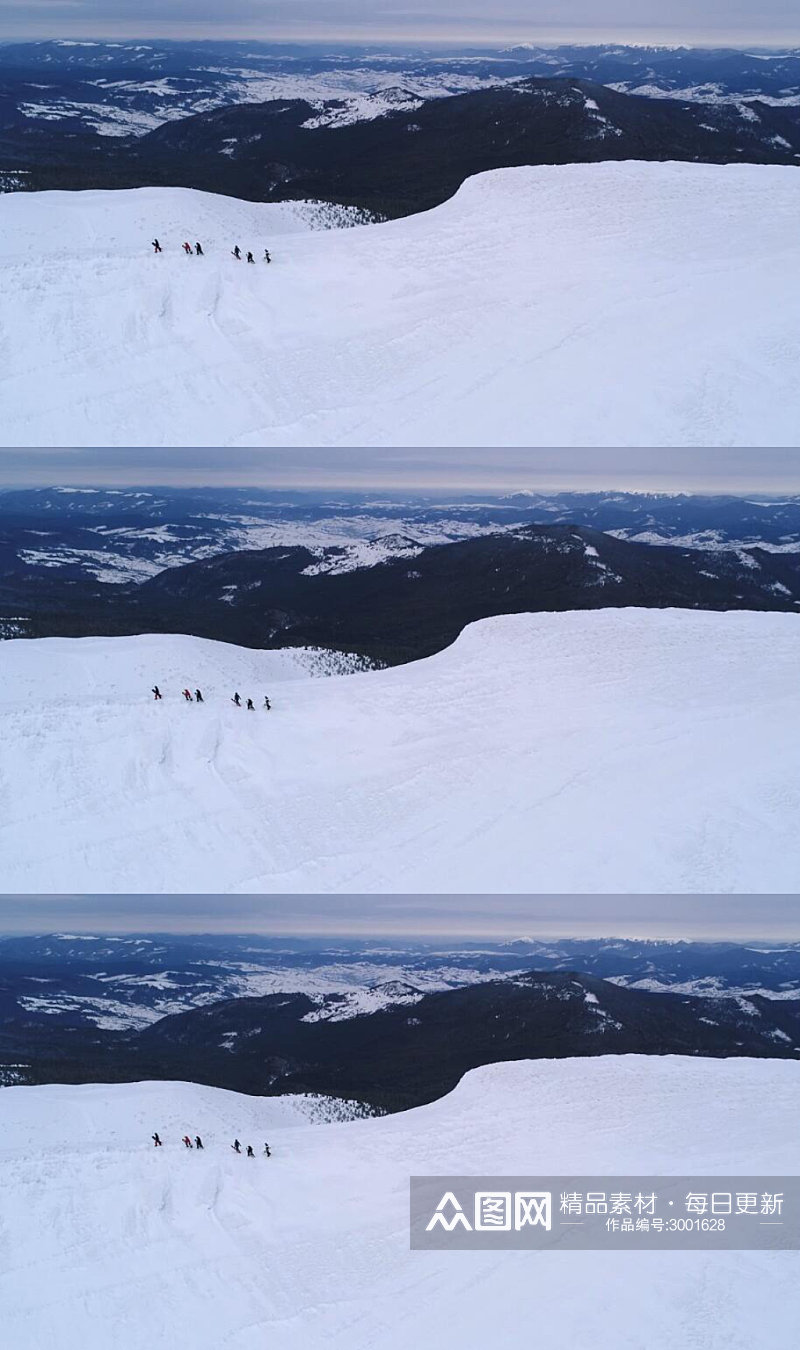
pixel 408 1053
pixel 411 605
pixel 406 160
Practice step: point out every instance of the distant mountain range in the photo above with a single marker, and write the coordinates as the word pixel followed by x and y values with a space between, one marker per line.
pixel 412 156
pixel 127 88
pixel 128 536
pixel 392 1027
pixel 128 982
pixel 157 528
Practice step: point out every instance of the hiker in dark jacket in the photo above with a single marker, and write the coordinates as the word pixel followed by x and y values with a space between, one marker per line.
pixel 199 251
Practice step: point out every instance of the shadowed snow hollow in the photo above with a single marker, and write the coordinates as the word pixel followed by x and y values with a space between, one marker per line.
pixel 105 1240
pixel 615 750
pixel 627 303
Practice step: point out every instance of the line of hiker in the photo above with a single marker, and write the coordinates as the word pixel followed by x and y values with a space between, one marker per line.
pixel 189 697
pixel 237 1148
pixel 198 1144
pixel 237 254
pixel 198 252
pixel 237 701
pixel 197 697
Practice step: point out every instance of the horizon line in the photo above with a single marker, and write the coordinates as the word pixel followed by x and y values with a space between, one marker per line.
pixel 743 918
pixel 370 936
pixel 356 38
pixel 500 493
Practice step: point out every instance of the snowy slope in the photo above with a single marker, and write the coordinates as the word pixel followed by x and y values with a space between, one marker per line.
pixel 89 671
pixel 605 304
pixel 615 750
pixel 117 227
pixel 97 670
pixel 106 1241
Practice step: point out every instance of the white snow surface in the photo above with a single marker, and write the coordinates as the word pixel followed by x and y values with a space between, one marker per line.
pixel 105 1240
pixel 600 304
pixel 710 92
pixel 85 671
pixel 625 750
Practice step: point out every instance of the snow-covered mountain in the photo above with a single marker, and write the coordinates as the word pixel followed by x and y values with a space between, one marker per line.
pixel 118 89
pixel 418 154
pixel 617 750
pixel 389 600
pixel 392 1046
pixel 557 305
pixel 394 1025
pixel 126 90
pixel 121 536
pixel 102 1236
pixel 125 983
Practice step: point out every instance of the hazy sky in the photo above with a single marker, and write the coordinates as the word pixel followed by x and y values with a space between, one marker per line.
pixel 693 21
pixel 768 917
pixel 761 471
